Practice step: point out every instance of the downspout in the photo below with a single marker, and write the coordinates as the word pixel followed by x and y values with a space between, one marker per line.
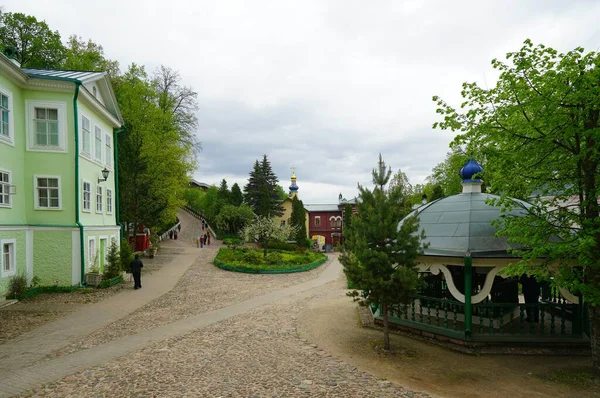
pixel 77 220
pixel 116 157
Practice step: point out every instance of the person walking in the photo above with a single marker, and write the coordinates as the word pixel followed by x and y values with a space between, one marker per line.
pixel 136 266
pixel 208 237
pixel 201 241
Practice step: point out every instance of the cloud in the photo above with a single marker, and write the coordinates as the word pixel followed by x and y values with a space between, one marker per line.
pixel 323 85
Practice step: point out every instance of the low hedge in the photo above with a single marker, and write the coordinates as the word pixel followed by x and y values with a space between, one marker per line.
pixel 110 282
pixel 266 268
pixel 46 289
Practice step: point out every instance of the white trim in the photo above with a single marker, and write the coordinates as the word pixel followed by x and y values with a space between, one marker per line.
pixel 75 258
pixel 568 295
pixel 10 140
pixel 103 228
pixel 106 243
pixel 88 254
pixel 36 205
pixel 108 143
pixel 9 204
pixel 29 254
pixel 61 108
pixel 13 261
pixel 83 209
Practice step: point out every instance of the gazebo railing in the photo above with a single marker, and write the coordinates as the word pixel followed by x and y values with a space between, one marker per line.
pixel 491 321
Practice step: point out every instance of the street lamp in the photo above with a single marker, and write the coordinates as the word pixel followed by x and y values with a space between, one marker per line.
pixel 105 174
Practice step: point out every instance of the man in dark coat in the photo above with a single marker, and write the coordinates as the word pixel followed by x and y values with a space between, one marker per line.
pixel 136 269
pixel 531 293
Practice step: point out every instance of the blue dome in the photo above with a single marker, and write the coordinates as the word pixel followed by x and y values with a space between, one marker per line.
pixel 469 170
pixel 293 187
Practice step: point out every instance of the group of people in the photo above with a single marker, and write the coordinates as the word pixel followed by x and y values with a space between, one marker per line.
pixel 204 238
pixel 174 232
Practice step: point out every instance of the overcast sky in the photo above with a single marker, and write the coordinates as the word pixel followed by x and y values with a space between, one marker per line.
pixel 323 85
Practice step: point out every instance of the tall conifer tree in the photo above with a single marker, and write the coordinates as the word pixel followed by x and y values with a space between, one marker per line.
pixel 261 190
pixel 298 220
pixel 379 256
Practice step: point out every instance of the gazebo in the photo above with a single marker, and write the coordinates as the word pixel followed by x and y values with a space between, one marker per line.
pixel 466 297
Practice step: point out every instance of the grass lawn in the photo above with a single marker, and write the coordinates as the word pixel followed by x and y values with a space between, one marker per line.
pixel 276 261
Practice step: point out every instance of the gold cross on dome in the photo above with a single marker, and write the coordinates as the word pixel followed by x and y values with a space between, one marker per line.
pixel 293 169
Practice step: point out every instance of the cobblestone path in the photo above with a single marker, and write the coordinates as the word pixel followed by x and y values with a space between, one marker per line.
pixel 243 346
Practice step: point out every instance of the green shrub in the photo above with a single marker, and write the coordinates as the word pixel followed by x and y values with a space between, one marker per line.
pixel 253 257
pixel 282 246
pixel 274 258
pixel 17 285
pixel 232 243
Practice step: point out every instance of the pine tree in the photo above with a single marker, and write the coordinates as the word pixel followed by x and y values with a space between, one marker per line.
pixel 347 219
pixel 298 220
pixel 236 197
pixel 224 192
pixel 113 260
pixel 378 256
pixel 261 191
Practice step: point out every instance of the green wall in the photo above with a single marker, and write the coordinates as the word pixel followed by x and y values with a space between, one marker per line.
pixel 52 256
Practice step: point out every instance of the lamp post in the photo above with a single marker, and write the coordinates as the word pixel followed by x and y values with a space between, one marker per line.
pixel 105 174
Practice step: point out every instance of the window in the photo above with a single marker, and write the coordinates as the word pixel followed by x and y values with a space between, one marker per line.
pixel 98 143
pixel 87 196
pixel 6 116
pixel 282 223
pixel 108 150
pixel 92 252
pixel 8 258
pixel 99 199
pixel 47 193
pixel 317 221
pixel 4 188
pixel 46 126
pixel 86 135
pixel 109 201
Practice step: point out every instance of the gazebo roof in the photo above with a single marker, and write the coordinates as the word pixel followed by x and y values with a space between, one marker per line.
pixel 462 223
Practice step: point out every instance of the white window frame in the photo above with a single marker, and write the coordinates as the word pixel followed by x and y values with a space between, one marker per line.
pixel 36 204
pixel 12 258
pixel 98 151
pixel 86 153
pixel 61 108
pixel 317 221
pixel 99 198
pixel 108 150
pixel 10 139
pixel 5 189
pixel 109 201
pixel 87 209
pixel 90 255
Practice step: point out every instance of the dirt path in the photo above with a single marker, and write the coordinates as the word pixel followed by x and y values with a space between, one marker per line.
pixel 425 367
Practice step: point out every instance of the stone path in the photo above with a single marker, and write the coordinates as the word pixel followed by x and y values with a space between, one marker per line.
pixel 249 348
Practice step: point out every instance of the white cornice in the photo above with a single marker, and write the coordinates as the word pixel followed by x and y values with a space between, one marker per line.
pixel 10 70
pixel 92 102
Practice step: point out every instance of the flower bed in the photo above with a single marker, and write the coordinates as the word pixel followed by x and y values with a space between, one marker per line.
pixel 252 261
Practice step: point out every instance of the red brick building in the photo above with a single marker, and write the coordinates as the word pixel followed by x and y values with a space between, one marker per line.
pixel 327 220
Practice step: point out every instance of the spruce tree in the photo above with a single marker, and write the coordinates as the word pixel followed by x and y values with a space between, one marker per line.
pixel 261 191
pixel 298 220
pixel 379 254
pixel 347 219
pixel 236 197
pixel 224 192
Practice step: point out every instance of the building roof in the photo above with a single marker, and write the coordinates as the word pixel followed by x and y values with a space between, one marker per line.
pixel 322 207
pixel 462 223
pixel 82 76
pixel 199 184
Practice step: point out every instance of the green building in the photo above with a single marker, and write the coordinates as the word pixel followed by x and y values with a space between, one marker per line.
pixel 58 172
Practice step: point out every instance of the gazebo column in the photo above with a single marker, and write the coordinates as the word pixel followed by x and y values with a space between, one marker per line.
pixel 468 292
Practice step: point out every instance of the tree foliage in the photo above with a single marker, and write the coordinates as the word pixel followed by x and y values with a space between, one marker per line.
pixel 265 229
pixel 538 131
pixel 347 222
pixel 379 254
pixel 154 165
pixel 298 221
pixel 232 219
pixel 261 192
pixel 236 198
pixel 88 56
pixel 445 174
pixel 36 44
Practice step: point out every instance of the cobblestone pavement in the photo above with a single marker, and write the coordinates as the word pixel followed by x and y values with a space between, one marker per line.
pixel 257 354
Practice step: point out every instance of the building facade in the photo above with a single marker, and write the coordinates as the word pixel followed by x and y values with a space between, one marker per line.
pixel 58 173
